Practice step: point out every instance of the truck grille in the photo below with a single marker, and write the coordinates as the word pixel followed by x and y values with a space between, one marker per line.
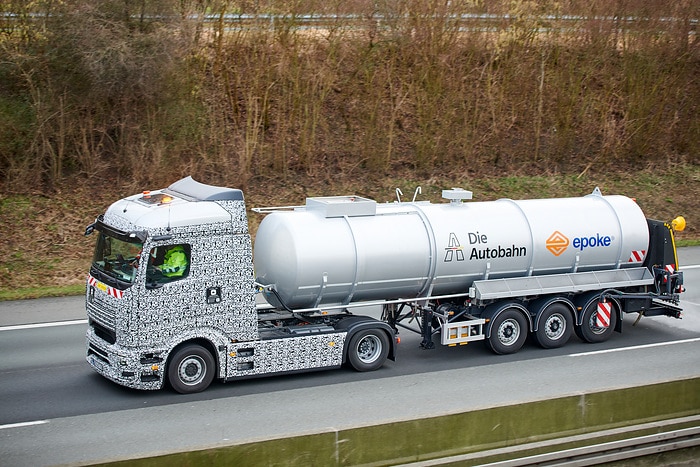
pixel 102 314
pixel 103 333
pixel 99 353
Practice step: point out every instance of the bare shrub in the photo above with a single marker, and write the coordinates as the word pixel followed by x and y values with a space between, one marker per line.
pixel 143 92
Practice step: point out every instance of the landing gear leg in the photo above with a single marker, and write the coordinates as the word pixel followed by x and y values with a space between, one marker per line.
pixel 427 329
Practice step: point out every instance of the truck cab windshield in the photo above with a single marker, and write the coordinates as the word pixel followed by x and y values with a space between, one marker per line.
pixel 116 261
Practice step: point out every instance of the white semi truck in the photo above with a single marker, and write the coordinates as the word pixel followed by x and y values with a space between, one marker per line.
pixel 171 294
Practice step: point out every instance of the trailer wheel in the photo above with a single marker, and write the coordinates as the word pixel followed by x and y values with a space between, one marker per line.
pixel 508 332
pixel 368 350
pixel 191 369
pixel 588 331
pixel 555 326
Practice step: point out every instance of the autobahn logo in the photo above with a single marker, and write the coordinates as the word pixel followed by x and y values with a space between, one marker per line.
pixel 454 249
pixel 557 243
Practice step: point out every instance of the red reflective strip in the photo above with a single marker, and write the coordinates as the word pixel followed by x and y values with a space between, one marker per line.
pixel 111 291
pixel 637 256
pixel 602 318
pixel 116 293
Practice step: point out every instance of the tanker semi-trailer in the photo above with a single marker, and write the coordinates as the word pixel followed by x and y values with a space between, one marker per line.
pixel 171 294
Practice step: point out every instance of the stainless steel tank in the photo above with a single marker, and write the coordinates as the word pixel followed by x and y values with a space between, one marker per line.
pixel 347 249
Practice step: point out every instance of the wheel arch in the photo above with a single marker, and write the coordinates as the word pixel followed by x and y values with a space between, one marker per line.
pixel 494 310
pixel 583 301
pixel 538 306
pixel 203 342
pixel 354 324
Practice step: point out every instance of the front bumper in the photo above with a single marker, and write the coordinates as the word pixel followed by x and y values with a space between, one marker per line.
pixel 127 367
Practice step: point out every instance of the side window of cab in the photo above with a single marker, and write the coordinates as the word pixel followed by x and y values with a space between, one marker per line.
pixel 167 264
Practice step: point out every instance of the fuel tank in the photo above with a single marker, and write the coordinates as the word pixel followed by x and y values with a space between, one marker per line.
pixel 337 250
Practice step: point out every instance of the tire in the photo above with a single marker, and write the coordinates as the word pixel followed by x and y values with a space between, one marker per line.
pixel 191 369
pixel 556 325
pixel 508 332
pixel 368 349
pixel 588 331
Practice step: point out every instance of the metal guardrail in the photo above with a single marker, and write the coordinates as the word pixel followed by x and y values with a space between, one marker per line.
pixel 587 454
pixel 611 451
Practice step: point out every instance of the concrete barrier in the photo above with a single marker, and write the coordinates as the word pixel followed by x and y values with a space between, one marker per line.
pixel 479 431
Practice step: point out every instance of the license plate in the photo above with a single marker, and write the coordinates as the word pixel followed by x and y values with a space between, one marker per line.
pixel 96 362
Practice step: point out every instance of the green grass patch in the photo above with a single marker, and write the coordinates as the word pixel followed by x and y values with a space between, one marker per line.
pixel 42 292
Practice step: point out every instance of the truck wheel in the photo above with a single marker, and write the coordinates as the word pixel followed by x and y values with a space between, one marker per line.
pixel 508 332
pixel 368 350
pixel 191 369
pixel 588 331
pixel 555 326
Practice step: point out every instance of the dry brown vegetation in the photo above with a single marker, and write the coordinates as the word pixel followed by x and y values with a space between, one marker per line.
pixel 101 99
pixel 43 246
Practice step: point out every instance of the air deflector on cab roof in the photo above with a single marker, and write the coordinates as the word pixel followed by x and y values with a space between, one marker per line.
pixel 191 190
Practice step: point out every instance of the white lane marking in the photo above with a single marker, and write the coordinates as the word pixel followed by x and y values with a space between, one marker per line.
pixel 42 325
pixel 84 321
pixel 23 424
pixel 636 347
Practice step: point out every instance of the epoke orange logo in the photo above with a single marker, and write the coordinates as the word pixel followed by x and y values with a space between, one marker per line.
pixel 557 243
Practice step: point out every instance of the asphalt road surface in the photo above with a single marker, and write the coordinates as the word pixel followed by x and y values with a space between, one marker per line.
pixel 54 409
